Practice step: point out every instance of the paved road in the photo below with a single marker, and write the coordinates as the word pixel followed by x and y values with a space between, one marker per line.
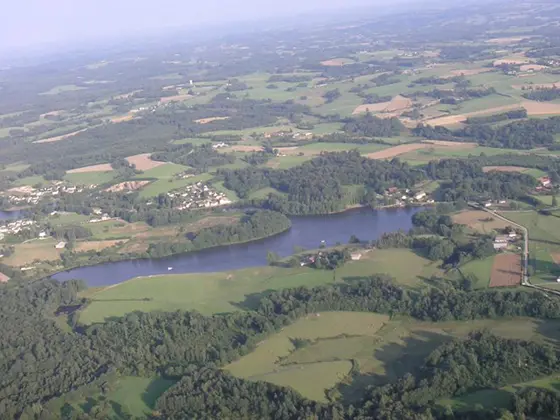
pixel 525 263
pixel 525 281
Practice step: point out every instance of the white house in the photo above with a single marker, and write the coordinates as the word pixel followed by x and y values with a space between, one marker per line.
pixel 420 195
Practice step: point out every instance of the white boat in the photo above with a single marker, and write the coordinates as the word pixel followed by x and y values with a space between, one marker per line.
pixel 169 268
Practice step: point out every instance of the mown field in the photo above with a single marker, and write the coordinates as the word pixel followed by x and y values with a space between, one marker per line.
pixel 229 291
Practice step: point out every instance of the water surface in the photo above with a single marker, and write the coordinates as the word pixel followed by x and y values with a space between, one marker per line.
pixel 307 232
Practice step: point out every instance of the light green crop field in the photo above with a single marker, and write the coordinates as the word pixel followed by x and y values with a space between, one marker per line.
pixel 15 167
pixel 31 180
pixel 499 398
pixel 423 156
pixel 481 269
pixel 164 171
pixel 211 293
pixel 286 162
pixel 207 293
pixel 263 193
pixel 90 178
pixel 67 219
pixel 194 141
pixel 128 397
pixel 166 184
pixel 314 378
pixel 485 103
pixel 384 349
pixel 61 89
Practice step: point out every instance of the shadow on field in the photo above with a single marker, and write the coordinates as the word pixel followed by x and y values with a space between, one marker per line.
pixel 395 359
pixel 550 330
pixel 251 302
pixel 547 270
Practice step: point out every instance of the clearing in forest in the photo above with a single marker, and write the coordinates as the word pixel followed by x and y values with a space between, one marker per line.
pixel 337 62
pixel 143 162
pixel 310 379
pixel 210 119
pixel 504 169
pixel 102 167
pixel 176 98
pixel 62 137
pixel 506 270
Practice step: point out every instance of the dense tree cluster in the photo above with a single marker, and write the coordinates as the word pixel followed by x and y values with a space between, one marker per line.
pixel 543 95
pixel 371 126
pixel 318 186
pixel 526 134
pixel 504 116
pixel 201 157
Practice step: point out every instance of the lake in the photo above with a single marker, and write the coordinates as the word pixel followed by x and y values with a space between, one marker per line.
pixel 11 215
pixel 307 232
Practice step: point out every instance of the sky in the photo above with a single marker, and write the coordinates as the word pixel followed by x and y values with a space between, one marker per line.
pixel 31 23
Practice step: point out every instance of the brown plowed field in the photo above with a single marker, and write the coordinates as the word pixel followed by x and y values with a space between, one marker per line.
pixel 398 103
pixel 143 162
pixel 397 150
pixel 479 220
pixel 102 167
pixel 96 245
pixel 506 270
pixel 209 120
pixel 541 108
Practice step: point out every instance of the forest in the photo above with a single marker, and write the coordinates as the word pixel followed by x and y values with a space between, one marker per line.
pixel 191 346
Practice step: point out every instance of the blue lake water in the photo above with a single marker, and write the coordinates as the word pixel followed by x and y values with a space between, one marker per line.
pixel 307 232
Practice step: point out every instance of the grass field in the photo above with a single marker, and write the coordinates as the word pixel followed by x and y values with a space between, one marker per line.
pixel 26 253
pixel 385 351
pixel 31 180
pixel 501 398
pixel 61 89
pixel 480 269
pixel 311 379
pixel 167 183
pixel 127 397
pixel 544 234
pixel 90 178
pixel 211 293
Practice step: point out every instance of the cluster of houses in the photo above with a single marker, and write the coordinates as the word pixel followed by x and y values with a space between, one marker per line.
pixel 296 136
pixel 545 183
pixel 407 196
pixel 197 195
pixel 27 195
pixel 15 227
pixel 101 217
pixel 503 241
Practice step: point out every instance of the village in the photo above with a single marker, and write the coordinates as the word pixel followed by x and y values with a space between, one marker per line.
pixel 401 197
pixel 28 195
pixel 15 227
pixel 197 195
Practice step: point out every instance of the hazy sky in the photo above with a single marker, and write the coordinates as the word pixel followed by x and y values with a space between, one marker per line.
pixel 34 22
